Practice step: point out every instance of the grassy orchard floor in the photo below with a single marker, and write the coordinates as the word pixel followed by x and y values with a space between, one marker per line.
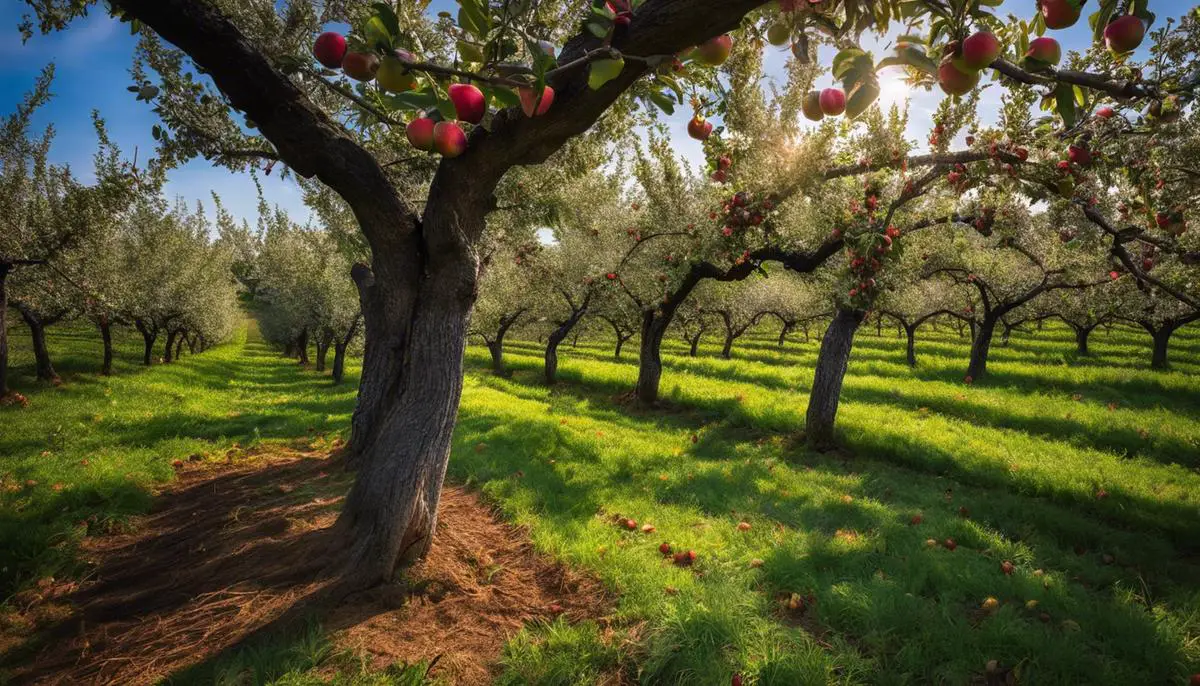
pixel 1025 452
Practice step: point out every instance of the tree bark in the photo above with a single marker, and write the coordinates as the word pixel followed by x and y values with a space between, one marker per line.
pixel 727 348
pixel 910 331
pixel 1162 339
pixel 170 346
pixel 179 344
pixel 149 334
pixel 694 341
pixel 339 362
pixel 41 354
pixel 650 361
pixel 556 337
pixel 105 325
pixel 302 348
pixel 323 343
pixel 1007 334
pixel 191 344
pixel 980 346
pixel 4 270
pixel 1081 338
pixel 832 362
pixel 783 332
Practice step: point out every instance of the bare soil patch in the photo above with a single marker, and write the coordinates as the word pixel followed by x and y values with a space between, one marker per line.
pixel 232 551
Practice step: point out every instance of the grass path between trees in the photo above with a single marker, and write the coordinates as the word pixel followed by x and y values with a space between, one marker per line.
pixel 882 564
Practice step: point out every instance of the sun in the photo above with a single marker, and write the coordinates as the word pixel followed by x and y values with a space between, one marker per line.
pixel 893 90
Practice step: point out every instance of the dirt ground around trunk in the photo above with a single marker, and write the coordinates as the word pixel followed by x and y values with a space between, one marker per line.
pixel 232 553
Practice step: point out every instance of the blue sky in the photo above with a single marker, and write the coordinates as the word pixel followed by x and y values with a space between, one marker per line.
pixel 94 54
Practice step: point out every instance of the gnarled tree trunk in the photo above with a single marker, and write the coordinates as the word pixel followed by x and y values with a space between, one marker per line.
pixel 694 343
pixel 832 362
pixel 980 346
pixel 654 325
pixel 41 354
pixel 302 348
pixel 783 332
pixel 179 344
pixel 556 337
pixel 169 348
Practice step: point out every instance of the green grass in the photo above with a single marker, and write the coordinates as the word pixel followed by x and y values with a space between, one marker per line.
pixel 1025 451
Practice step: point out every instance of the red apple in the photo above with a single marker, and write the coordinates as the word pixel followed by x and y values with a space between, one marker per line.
pixel 360 66
pixel 1059 14
pixel 714 51
pixel 420 133
pixel 1045 50
pixel 698 128
pixel 1162 219
pixel 1124 34
pixel 529 101
pixel 723 162
pixel 330 49
pixel 1114 275
pixel 665 548
pixel 1105 113
pixel 950 544
pixel 980 49
pixel 469 103
pixel 449 139
pixel 812 106
pixel 1147 264
pixel 1079 154
pixel 955 79
pixel 1007 567
pixel 833 101
pixel 610 276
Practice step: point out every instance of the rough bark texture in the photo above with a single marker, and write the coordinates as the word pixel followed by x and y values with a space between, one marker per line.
pixel 339 362
pixel 832 362
pixel 41 354
pixel 694 347
pixel 179 344
pixel 323 343
pixel 783 332
pixel 556 337
pixel 4 270
pixel 980 346
pixel 169 348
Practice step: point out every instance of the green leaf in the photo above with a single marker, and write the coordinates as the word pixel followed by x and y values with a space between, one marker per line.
pixel 411 100
pixel 603 71
pixel 1064 96
pixel 1100 18
pixel 505 96
pixel 861 97
pixel 474 18
pixel 911 57
pixel 387 15
pixel 844 61
pixel 663 101
pixel 377 34
pixel 470 52
pixel 597 29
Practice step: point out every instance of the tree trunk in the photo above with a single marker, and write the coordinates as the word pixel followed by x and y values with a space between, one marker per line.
pixel 1040 322
pixel 41 354
pixel 105 325
pixel 390 513
pixel 694 342
pixel 974 330
pixel 179 344
pixel 4 270
pixel 558 336
pixel 496 348
pixel 911 349
pixel 806 338
pixel 621 341
pixel 148 337
pixel 323 344
pixel 170 347
pixel 980 346
pixel 1004 337
pixel 879 326
pixel 650 360
pixel 302 348
pixel 289 348
pixel 191 344
pixel 832 362
pixel 1081 339
pixel 339 362
pixel 727 349
pixel 1162 338
pixel 783 332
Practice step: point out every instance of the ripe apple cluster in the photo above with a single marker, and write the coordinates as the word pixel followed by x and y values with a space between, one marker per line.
pixel 394 73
